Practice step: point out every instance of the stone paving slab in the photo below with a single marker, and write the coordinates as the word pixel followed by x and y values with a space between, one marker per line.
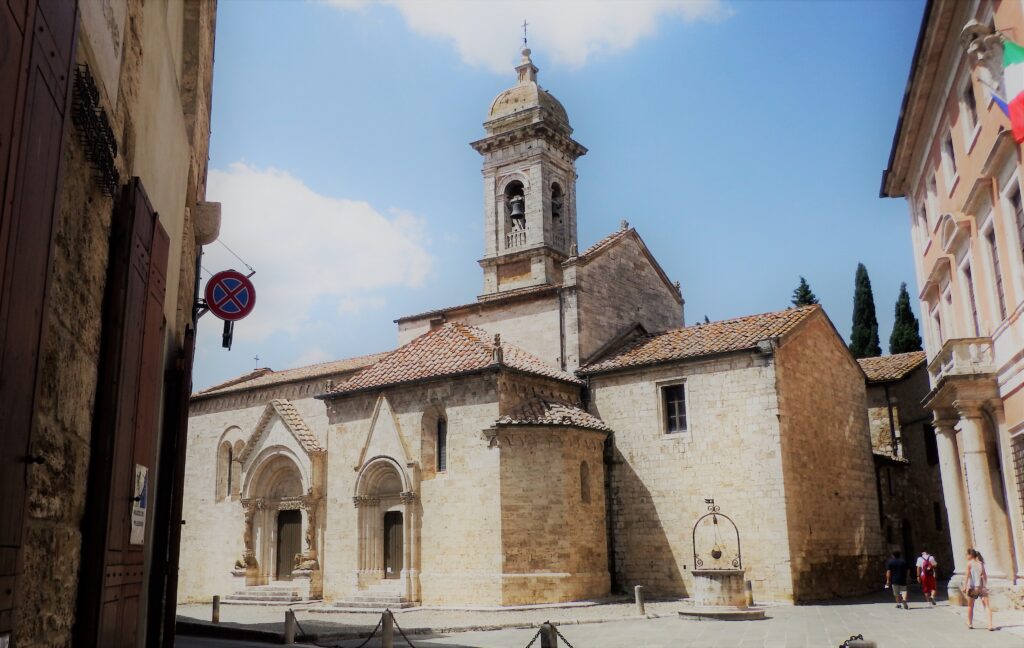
pixel 616 626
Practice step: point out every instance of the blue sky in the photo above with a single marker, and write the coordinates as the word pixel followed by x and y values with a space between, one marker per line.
pixel 744 140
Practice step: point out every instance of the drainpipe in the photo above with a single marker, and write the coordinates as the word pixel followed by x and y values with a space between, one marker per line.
pixel 561 329
pixel 892 422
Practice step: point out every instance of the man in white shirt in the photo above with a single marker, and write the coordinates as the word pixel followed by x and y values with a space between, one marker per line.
pixel 926 565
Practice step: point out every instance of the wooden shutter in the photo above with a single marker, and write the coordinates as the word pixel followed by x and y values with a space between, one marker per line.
pixel 36 49
pixel 126 422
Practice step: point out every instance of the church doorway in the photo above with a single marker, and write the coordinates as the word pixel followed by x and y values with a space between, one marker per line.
pixel 393 545
pixel 289 542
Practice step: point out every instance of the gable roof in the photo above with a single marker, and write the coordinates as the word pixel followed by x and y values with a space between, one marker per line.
pixel 891 367
pixel 610 241
pixel 449 350
pixel 737 334
pixel 291 419
pixel 268 377
pixel 541 411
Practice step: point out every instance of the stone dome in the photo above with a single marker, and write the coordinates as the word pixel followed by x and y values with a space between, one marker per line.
pixel 527 94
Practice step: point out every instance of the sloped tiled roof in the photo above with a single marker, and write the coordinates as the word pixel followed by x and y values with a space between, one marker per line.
pixel 292 420
pixel 701 340
pixel 602 244
pixel 891 367
pixel 450 349
pixel 540 411
pixel 268 377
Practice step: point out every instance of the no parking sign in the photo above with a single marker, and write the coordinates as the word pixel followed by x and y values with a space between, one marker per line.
pixel 230 295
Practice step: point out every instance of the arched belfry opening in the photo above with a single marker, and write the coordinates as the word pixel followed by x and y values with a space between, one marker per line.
pixel 515 214
pixel 558 223
pixel 387 557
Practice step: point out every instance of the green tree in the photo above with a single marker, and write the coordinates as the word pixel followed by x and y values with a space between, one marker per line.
pixel 906 334
pixel 864 337
pixel 803 295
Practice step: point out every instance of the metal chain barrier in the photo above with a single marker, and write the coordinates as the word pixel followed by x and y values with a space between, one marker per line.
pixel 562 636
pixel 400 631
pixel 530 642
pixel 334 645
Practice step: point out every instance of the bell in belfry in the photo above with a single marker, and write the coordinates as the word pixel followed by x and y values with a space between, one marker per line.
pixel 516 206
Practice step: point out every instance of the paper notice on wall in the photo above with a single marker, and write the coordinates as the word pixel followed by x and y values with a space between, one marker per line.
pixel 140 497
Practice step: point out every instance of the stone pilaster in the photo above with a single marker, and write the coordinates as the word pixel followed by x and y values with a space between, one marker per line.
pixel 956 501
pixel 988 520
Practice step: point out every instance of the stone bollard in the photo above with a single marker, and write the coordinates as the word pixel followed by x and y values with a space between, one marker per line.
pixel 215 616
pixel 387 630
pixel 289 627
pixel 638 592
pixel 548 636
pixel 749 587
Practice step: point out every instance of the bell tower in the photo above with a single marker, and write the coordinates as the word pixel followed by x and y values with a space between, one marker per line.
pixel 529 171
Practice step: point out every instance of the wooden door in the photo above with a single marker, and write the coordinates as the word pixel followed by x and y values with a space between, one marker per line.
pixel 37 44
pixel 125 423
pixel 393 544
pixel 289 542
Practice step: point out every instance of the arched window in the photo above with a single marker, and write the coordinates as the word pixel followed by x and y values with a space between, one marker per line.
pixel 584 482
pixel 223 470
pixel 442 445
pixel 515 205
pixel 557 201
pixel 236 469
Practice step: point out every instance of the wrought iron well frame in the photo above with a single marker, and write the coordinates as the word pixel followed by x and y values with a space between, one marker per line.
pixel 714 512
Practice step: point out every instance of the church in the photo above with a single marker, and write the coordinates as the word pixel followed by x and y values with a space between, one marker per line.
pixel 555 439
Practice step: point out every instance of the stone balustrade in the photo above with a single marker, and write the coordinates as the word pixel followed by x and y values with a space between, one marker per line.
pixel 962 357
pixel 515 238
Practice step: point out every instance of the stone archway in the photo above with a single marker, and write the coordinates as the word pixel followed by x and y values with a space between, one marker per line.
pixel 387 556
pixel 274 501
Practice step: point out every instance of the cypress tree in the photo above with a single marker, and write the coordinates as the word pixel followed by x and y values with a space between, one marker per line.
pixel 906 335
pixel 864 337
pixel 803 295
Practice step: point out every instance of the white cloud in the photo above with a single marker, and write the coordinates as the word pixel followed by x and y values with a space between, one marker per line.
pixel 314 355
pixel 568 32
pixel 309 250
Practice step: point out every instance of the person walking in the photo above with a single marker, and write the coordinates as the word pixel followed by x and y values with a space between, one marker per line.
pixel 926 565
pixel 976 580
pixel 896 570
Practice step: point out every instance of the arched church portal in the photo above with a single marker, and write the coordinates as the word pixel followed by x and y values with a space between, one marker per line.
pixel 275 518
pixel 386 512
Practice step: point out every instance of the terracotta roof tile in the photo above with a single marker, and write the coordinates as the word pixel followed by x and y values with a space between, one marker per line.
pixel 600 245
pixel 269 377
pixel 701 340
pixel 891 367
pixel 539 411
pixel 447 350
pixel 292 420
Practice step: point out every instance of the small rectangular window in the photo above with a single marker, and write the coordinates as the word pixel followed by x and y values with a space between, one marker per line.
pixel 1018 215
pixel 969 283
pixel 442 445
pixel 931 446
pixel 949 159
pixel 675 408
pixel 937 510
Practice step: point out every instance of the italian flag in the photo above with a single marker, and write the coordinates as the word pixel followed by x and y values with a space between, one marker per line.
pixel 1013 77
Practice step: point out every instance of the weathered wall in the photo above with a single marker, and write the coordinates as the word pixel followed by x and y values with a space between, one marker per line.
pixel 912 506
pixel 115 36
pixel 831 506
pixel 552 518
pixel 659 481
pixel 620 287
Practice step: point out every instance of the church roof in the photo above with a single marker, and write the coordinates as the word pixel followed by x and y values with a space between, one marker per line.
pixel 527 94
pixel 292 420
pixel 266 377
pixel 737 334
pixel 541 411
pixel 891 367
pixel 449 350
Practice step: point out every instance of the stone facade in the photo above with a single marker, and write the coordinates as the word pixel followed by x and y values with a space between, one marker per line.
pixel 152 66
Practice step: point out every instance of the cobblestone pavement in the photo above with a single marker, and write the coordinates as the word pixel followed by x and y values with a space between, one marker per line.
pixel 787 626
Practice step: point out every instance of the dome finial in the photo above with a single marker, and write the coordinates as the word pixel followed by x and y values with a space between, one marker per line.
pixel 526 69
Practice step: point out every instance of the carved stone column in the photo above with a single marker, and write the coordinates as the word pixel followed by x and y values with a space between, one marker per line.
pixel 988 520
pixel 410 570
pixel 955 498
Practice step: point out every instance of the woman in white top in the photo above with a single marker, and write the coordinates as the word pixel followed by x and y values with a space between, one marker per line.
pixel 976 582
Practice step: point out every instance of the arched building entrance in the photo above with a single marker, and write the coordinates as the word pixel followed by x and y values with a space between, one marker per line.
pixel 276 517
pixel 387 557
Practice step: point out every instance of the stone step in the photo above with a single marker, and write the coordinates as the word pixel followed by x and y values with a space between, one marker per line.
pixel 376 604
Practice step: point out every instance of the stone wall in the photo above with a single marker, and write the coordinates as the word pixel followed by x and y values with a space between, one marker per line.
pixel 620 287
pixel 831 504
pixel 142 101
pixel 458 510
pixel 659 481
pixel 912 505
